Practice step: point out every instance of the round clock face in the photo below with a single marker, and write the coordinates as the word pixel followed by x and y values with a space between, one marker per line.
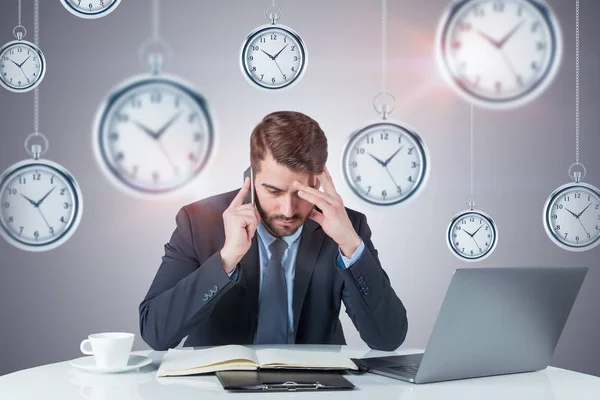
pixel 40 205
pixel 472 235
pixel 22 66
pixel 499 53
pixel 154 136
pixel 90 8
pixel 273 57
pixel 385 163
pixel 572 217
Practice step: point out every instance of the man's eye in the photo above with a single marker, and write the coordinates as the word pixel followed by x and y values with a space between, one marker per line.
pixel 275 192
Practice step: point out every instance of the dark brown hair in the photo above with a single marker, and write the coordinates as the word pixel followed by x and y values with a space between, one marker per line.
pixel 294 140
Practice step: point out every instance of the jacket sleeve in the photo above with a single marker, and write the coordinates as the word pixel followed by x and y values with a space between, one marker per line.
pixel 183 292
pixel 371 303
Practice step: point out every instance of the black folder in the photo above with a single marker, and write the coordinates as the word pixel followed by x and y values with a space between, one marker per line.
pixel 280 380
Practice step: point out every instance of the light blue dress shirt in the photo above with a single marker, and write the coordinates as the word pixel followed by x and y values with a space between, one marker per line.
pixel 289 262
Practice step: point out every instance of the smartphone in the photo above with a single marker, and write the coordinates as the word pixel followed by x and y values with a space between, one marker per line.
pixel 250 195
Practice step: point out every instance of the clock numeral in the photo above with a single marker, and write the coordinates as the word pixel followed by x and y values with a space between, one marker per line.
pixel 540 46
pixel 284 77
pixel 487 243
pixel 577 239
pixel 384 194
pixel 12 191
pixel 119 157
pixel 410 151
pixel 121 117
pixel 410 179
pixel 293 69
pixel 489 236
pixel 22 181
pixel 36 234
pixel 384 136
pixel 498 86
pixel 399 189
pixel 454 235
pixel 478 11
pixel 567 198
pixel 471 219
pixel 253 69
pixel 370 140
pixel 557 228
pixel 156 97
pixel 360 150
pixel 499 6
pixel 358 178
pixel 566 234
pixel 535 66
pixel 471 252
pixel 414 164
pixel 598 227
pixel 285 39
pixel 37 176
pixel 465 26
pixel 52 231
pixel 135 102
pixel 251 57
pixel 295 58
pixel 21 230
pixel 487 228
pixel 464 221
pixel 62 191
pixel 198 137
pixel 293 48
pixel 255 48
pixel 273 36
pixel 11 220
pixel 155 176
pixel 520 80
pixel 62 219
pixel 589 235
pixel 272 80
pixel 134 170
pixel 457 227
pixel 577 195
pixel 369 189
pixel 65 205
pixel 520 11
pixel 263 40
pixel 554 216
pixel 192 117
pixel 262 76
pixel 597 206
pixel 354 164
pixel 192 157
pixel 535 26
pixel 6 204
pixel 114 136
pixel 559 206
pixel 52 179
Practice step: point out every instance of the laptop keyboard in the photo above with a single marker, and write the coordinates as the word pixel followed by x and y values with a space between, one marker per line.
pixel 411 368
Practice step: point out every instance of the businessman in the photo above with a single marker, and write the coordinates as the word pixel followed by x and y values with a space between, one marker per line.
pixel 277 271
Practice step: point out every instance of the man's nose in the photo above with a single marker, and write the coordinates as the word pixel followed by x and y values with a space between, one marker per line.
pixel 287 206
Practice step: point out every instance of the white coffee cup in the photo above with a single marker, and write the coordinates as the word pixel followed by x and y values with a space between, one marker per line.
pixel 110 349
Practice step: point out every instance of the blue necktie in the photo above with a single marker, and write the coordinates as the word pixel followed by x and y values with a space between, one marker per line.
pixel 272 325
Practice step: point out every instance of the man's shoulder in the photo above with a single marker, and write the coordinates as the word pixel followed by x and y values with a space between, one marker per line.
pixel 213 205
pixel 355 216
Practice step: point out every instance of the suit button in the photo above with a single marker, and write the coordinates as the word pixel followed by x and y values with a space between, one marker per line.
pixel 205 297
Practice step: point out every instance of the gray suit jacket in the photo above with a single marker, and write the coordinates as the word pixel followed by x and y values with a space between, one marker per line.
pixel 192 296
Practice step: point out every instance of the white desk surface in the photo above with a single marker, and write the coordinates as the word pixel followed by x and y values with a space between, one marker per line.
pixel 61 381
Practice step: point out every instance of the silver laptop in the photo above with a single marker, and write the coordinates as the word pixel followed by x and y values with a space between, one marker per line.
pixel 493 321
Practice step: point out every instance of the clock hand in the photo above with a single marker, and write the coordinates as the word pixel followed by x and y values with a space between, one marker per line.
pixel 475 233
pixel 572 213
pixel 33 203
pixel 20 65
pixel 42 214
pixel 386 162
pixel 24 74
pixel 476 244
pixel 377 159
pixel 276 55
pixel 16 63
pixel 509 35
pixel 44 198
pixel 467 232
pixel 390 174
pixel 146 129
pixel 588 206
pixel 162 148
pixel 586 232
pixel 489 39
pixel 270 56
pixel 162 130
pixel 508 63
pixel 276 63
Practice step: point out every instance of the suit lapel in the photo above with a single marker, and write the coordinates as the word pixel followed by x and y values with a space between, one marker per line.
pixel 250 264
pixel 308 251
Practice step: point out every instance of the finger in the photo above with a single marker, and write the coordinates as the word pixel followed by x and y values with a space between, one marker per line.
pixel 244 214
pixel 316 200
pixel 327 183
pixel 238 200
pixel 315 192
pixel 316 216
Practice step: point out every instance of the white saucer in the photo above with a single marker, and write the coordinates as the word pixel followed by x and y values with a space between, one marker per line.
pixel 89 364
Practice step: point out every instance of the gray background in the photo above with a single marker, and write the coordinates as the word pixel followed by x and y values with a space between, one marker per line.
pixel 49 302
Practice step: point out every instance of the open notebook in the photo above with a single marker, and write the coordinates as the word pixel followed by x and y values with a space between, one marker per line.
pixel 178 362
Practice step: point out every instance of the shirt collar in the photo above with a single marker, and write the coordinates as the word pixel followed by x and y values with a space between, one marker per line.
pixel 267 238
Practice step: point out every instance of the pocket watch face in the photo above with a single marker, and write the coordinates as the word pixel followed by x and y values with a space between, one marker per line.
pixel 22 66
pixel 385 163
pixel 40 205
pixel 90 8
pixel 273 57
pixel 472 236
pixel 154 136
pixel 499 53
pixel 572 217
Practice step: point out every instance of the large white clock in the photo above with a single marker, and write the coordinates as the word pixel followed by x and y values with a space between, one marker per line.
pixel 90 9
pixel 153 135
pixel 499 53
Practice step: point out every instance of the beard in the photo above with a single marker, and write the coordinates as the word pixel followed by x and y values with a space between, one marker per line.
pixel 270 222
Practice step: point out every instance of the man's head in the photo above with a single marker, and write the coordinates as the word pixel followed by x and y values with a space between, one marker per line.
pixel 285 146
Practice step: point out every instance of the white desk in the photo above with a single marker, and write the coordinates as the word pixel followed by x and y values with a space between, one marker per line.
pixel 61 381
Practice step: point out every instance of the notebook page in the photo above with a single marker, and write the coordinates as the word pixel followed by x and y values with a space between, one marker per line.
pixel 303 359
pixel 181 360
